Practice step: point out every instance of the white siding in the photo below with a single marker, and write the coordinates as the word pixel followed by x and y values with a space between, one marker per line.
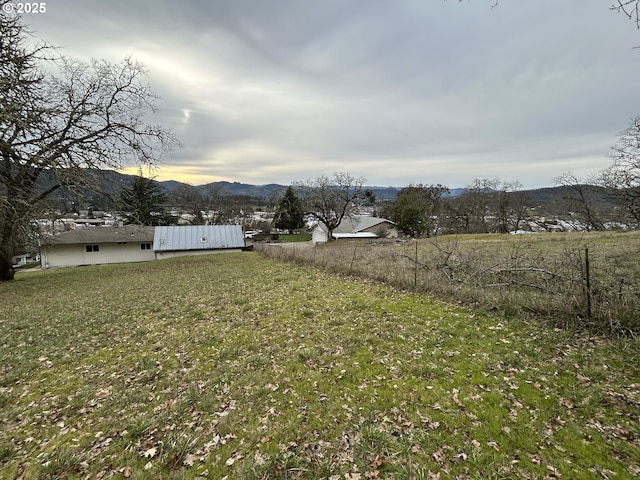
pixel 73 255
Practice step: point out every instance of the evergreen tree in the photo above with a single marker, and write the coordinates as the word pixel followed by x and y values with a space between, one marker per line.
pixel 143 203
pixel 290 214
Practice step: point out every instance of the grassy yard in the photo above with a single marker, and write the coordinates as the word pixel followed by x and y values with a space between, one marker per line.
pixel 237 366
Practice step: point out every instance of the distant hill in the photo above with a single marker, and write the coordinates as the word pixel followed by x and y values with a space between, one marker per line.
pixel 246 190
pixel 544 197
pixel 110 182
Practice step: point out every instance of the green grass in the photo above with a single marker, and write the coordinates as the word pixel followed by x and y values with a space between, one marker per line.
pixel 238 366
pixel 541 276
pixel 294 237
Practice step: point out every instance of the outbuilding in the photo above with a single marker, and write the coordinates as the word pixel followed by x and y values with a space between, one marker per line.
pixel 176 241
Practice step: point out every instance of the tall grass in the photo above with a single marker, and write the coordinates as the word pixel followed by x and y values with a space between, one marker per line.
pixel 589 280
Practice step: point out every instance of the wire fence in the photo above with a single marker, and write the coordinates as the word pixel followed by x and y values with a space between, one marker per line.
pixel 578 281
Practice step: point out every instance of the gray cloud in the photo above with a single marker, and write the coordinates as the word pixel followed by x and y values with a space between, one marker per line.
pixel 399 92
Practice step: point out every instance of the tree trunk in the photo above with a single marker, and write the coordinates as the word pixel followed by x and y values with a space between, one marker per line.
pixel 7 271
pixel 7 237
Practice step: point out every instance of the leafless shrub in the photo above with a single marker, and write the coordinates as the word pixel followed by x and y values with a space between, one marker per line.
pixel 533 277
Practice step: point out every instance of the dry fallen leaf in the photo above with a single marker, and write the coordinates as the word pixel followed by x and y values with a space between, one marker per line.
pixel 150 453
pixel 235 456
pixel 190 460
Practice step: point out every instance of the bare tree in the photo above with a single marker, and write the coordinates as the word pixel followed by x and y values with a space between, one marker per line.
pixel 623 176
pixel 330 200
pixel 191 201
pixel 509 206
pixel 580 199
pixel 478 199
pixel 91 115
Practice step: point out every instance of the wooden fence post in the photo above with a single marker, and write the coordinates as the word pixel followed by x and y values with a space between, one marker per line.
pixel 587 279
pixel 353 258
pixel 415 268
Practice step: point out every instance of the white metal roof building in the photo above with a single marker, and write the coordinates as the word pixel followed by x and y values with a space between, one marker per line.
pixel 171 241
pixel 360 226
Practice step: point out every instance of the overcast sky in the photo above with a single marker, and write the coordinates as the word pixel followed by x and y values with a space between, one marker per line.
pixel 397 91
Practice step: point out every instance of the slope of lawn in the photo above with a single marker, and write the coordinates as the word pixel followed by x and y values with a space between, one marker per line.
pixel 236 366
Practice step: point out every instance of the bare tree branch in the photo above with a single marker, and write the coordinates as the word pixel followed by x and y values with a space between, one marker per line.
pixel 88 116
pixel 630 8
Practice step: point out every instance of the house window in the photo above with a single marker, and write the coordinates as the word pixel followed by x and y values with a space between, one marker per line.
pixel 92 248
pixel 145 246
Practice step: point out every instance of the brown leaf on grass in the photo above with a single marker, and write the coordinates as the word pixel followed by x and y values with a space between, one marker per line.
pixel 190 460
pixel 235 456
pixel 150 453
pixel 535 458
pixel 439 456
pixel 460 457
pixel 455 398
pixel 127 471
pixel 565 402
pixel 173 460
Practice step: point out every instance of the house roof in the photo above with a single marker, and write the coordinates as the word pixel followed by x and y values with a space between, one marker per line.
pixel 97 235
pixel 197 237
pixel 356 224
pixel 355 235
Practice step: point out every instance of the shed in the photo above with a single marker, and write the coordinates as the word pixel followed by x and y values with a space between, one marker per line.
pixel 174 241
pixel 98 245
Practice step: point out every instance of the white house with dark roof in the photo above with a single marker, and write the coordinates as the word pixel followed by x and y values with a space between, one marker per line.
pixel 360 226
pixel 98 245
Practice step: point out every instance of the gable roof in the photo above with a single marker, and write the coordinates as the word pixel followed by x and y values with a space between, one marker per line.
pixel 356 224
pixel 197 237
pixel 97 235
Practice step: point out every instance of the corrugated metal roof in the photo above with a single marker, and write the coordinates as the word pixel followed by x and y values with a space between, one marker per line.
pixel 197 237
pixel 96 235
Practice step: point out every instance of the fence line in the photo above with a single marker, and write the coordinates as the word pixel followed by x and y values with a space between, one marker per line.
pixel 566 282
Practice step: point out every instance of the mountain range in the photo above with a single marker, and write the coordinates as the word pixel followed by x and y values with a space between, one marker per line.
pixel 111 182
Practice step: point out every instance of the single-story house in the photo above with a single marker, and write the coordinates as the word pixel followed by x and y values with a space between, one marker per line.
pixel 21 260
pixel 136 243
pixel 360 226
pixel 175 241
pixel 98 245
